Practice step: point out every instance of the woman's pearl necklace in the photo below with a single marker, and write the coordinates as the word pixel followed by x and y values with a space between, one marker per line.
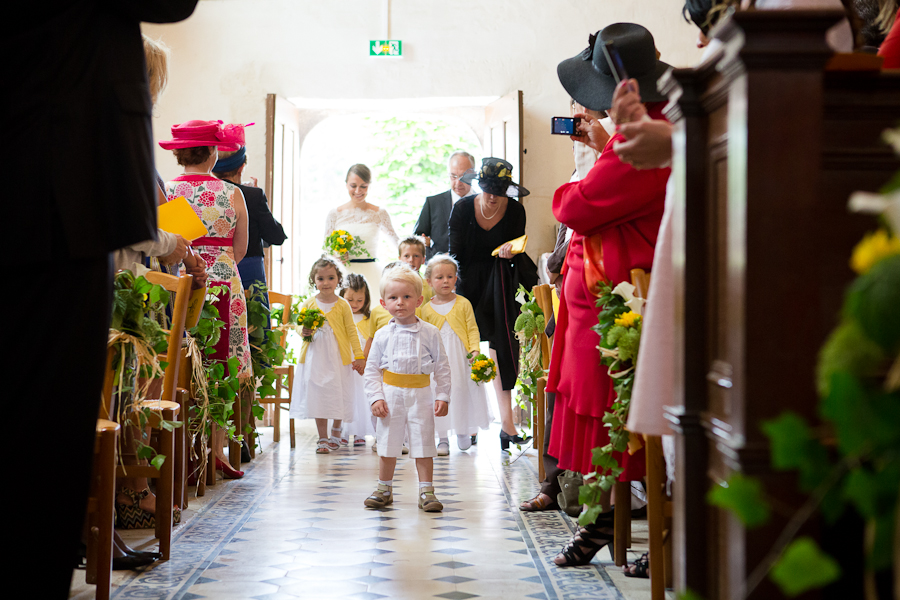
pixel 481 207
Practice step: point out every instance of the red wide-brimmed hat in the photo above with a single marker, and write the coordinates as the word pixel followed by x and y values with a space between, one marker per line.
pixel 206 133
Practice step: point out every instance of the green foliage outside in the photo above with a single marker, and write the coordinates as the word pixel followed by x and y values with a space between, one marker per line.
pixel 412 163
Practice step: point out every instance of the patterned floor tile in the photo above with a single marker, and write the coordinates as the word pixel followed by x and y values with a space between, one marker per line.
pixel 295 527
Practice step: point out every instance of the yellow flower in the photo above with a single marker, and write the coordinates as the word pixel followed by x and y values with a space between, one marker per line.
pixel 873 248
pixel 474 377
pixel 629 319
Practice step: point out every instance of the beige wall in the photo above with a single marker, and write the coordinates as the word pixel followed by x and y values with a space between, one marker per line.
pixel 230 53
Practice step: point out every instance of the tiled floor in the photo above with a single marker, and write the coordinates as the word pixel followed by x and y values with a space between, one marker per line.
pixel 295 527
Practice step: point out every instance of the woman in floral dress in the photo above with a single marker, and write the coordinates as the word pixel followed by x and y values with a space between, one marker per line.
pixel 220 205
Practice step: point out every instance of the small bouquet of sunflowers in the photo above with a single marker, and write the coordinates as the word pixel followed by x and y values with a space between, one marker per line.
pixel 342 244
pixel 310 318
pixel 484 369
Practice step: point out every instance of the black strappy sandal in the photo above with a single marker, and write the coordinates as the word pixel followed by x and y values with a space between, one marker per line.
pixel 641 567
pixel 587 542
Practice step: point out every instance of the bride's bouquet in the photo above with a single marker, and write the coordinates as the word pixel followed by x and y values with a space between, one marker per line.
pixel 342 244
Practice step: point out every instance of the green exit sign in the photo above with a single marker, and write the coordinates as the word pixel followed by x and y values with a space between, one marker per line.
pixel 385 48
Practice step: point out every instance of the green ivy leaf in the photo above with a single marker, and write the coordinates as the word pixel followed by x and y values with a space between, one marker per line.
pixel 859 488
pixel 846 407
pixel 804 566
pixel 743 496
pixel 158 461
pixel 688 595
pixel 789 435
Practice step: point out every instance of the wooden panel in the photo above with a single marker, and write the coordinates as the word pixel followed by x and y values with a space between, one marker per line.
pixel 283 188
pixel 503 135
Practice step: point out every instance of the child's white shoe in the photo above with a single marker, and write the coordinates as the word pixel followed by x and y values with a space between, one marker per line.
pixel 443 447
pixel 464 441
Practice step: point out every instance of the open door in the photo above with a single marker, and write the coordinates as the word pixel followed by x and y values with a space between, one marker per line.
pixel 503 131
pixel 282 186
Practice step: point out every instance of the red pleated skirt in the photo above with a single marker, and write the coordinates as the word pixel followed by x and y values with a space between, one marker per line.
pixel 583 388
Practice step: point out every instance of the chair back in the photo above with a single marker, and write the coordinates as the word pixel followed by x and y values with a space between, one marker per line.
pixel 544 299
pixel 284 300
pixel 640 279
pixel 181 287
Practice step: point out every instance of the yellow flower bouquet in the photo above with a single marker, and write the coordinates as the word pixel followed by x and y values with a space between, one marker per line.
pixel 484 369
pixel 310 318
pixel 343 244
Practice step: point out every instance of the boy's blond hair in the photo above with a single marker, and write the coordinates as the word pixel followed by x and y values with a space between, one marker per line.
pixel 440 259
pixel 401 273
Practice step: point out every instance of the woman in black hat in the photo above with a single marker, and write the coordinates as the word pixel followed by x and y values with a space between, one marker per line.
pixel 478 225
pixel 614 212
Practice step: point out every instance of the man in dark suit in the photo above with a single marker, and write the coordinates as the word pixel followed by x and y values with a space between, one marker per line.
pixel 432 223
pixel 79 142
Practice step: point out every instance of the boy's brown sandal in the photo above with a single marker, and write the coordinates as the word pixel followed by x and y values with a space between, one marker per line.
pixel 428 501
pixel 381 497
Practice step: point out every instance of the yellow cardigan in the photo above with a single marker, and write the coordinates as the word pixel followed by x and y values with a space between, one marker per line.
pixel 462 321
pixel 340 317
pixel 378 318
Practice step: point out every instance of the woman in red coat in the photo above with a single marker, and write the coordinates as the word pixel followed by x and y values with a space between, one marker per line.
pixel 618 210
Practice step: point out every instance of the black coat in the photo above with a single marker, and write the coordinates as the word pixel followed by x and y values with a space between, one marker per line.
pixel 262 226
pixel 433 222
pixel 77 115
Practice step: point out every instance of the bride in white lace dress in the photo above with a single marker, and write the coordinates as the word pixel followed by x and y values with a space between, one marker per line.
pixel 366 221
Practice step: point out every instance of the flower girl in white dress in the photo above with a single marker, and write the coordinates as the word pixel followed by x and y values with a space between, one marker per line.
pixel 356 293
pixel 323 386
pixel 454 317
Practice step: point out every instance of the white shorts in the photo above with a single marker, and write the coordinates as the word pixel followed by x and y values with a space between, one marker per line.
pixel 412 410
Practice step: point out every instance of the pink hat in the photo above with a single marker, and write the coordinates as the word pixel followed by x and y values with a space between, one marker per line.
pixel 206 133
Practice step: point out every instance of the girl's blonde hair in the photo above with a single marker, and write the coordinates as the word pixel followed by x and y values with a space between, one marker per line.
pixel 401 273
pixel 358 283
pixel 156 54
pixel 440 259
pixel 326 261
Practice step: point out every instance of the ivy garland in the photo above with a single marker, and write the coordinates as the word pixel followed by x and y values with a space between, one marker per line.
pixel 528 327
pixel 266 352
pixel 137 338
pixel 619 326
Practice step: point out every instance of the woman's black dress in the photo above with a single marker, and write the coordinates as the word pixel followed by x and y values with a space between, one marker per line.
pixel 490 282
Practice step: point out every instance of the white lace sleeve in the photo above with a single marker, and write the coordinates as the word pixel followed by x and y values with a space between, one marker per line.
pixel 384 223
pixel 330 222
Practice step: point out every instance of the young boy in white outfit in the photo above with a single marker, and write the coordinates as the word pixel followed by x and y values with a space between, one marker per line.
pixel 403 356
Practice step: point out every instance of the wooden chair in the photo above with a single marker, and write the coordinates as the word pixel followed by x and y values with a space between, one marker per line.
pixel 162 409
pixel 659 519
pixel 101 513
pixel 622 519
pixel 543 297
pixel 282 392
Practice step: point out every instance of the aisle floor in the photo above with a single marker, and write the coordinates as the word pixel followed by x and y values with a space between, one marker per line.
pixel 295 527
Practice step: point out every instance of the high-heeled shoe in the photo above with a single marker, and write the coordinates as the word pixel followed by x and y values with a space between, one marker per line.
pixel 506 439
pixel 589 540
pixel 132 516
pixel 130 562
pixel 227 470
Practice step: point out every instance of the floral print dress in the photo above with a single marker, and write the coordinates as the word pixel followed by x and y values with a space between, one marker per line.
pixel 213 201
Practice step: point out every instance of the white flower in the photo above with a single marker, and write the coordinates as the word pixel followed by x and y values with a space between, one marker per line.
pixel 892 137
pixel 625 290
pixel 520 297
pixel 636 305
pixel 873 204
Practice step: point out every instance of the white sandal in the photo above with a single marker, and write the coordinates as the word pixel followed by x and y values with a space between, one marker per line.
pixel 322 446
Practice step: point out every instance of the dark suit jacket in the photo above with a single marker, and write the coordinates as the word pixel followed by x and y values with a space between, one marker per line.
pixel 433 222
pixel 262 226
pixel 79 137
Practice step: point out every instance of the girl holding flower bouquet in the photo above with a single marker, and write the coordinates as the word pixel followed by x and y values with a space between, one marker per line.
pixel 329 353
pixel 455 319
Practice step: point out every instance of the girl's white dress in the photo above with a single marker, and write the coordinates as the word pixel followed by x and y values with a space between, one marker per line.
pixel 366 225
pixel 469 407
pixel 363 422
pixel 323 387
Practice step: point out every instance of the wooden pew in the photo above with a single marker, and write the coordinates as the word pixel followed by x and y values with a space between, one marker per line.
pixel 767 148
